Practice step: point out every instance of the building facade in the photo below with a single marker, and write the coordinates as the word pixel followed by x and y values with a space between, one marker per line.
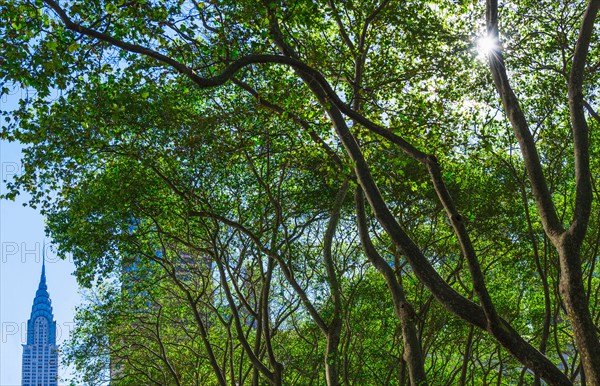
pixel 40 354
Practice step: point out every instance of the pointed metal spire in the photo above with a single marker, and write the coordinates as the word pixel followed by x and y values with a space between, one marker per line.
pixel 43 277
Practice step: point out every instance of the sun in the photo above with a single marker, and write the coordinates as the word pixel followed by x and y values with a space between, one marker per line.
pixel 487 45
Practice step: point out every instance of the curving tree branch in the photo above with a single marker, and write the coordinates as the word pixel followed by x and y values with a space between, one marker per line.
pixel 543 199
pixel 579 126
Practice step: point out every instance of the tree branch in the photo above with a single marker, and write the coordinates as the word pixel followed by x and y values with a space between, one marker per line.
pixel 579 127
pixel 285 269
pixel 591 111
pixel 343 32
pixel 404 311
pixel 543 199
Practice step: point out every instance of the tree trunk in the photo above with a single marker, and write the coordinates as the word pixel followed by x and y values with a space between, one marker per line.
pixel 577 307
pixel 332 356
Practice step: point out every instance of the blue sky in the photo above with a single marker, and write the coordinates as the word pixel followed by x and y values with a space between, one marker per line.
pixel 21 242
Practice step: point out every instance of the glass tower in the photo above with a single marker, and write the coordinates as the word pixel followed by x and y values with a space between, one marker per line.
pixel 40 354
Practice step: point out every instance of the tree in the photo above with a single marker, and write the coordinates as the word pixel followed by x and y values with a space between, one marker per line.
pixel 259 117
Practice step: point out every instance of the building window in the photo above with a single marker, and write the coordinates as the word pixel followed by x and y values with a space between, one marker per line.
pixel 40 331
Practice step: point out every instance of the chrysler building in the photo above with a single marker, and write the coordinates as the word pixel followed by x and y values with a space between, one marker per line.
pixel 40 354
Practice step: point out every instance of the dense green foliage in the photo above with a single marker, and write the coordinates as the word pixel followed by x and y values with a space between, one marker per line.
pixel 196 160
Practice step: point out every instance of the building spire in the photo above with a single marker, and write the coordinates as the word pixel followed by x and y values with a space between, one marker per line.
pixel 43 285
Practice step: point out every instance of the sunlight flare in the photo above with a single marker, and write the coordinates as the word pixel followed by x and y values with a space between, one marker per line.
pixel 487 45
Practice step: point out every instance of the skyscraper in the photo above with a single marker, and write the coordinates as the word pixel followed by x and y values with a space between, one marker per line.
pixel 40 354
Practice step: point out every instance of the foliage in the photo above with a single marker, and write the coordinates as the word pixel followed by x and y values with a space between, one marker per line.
pixel 199 159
